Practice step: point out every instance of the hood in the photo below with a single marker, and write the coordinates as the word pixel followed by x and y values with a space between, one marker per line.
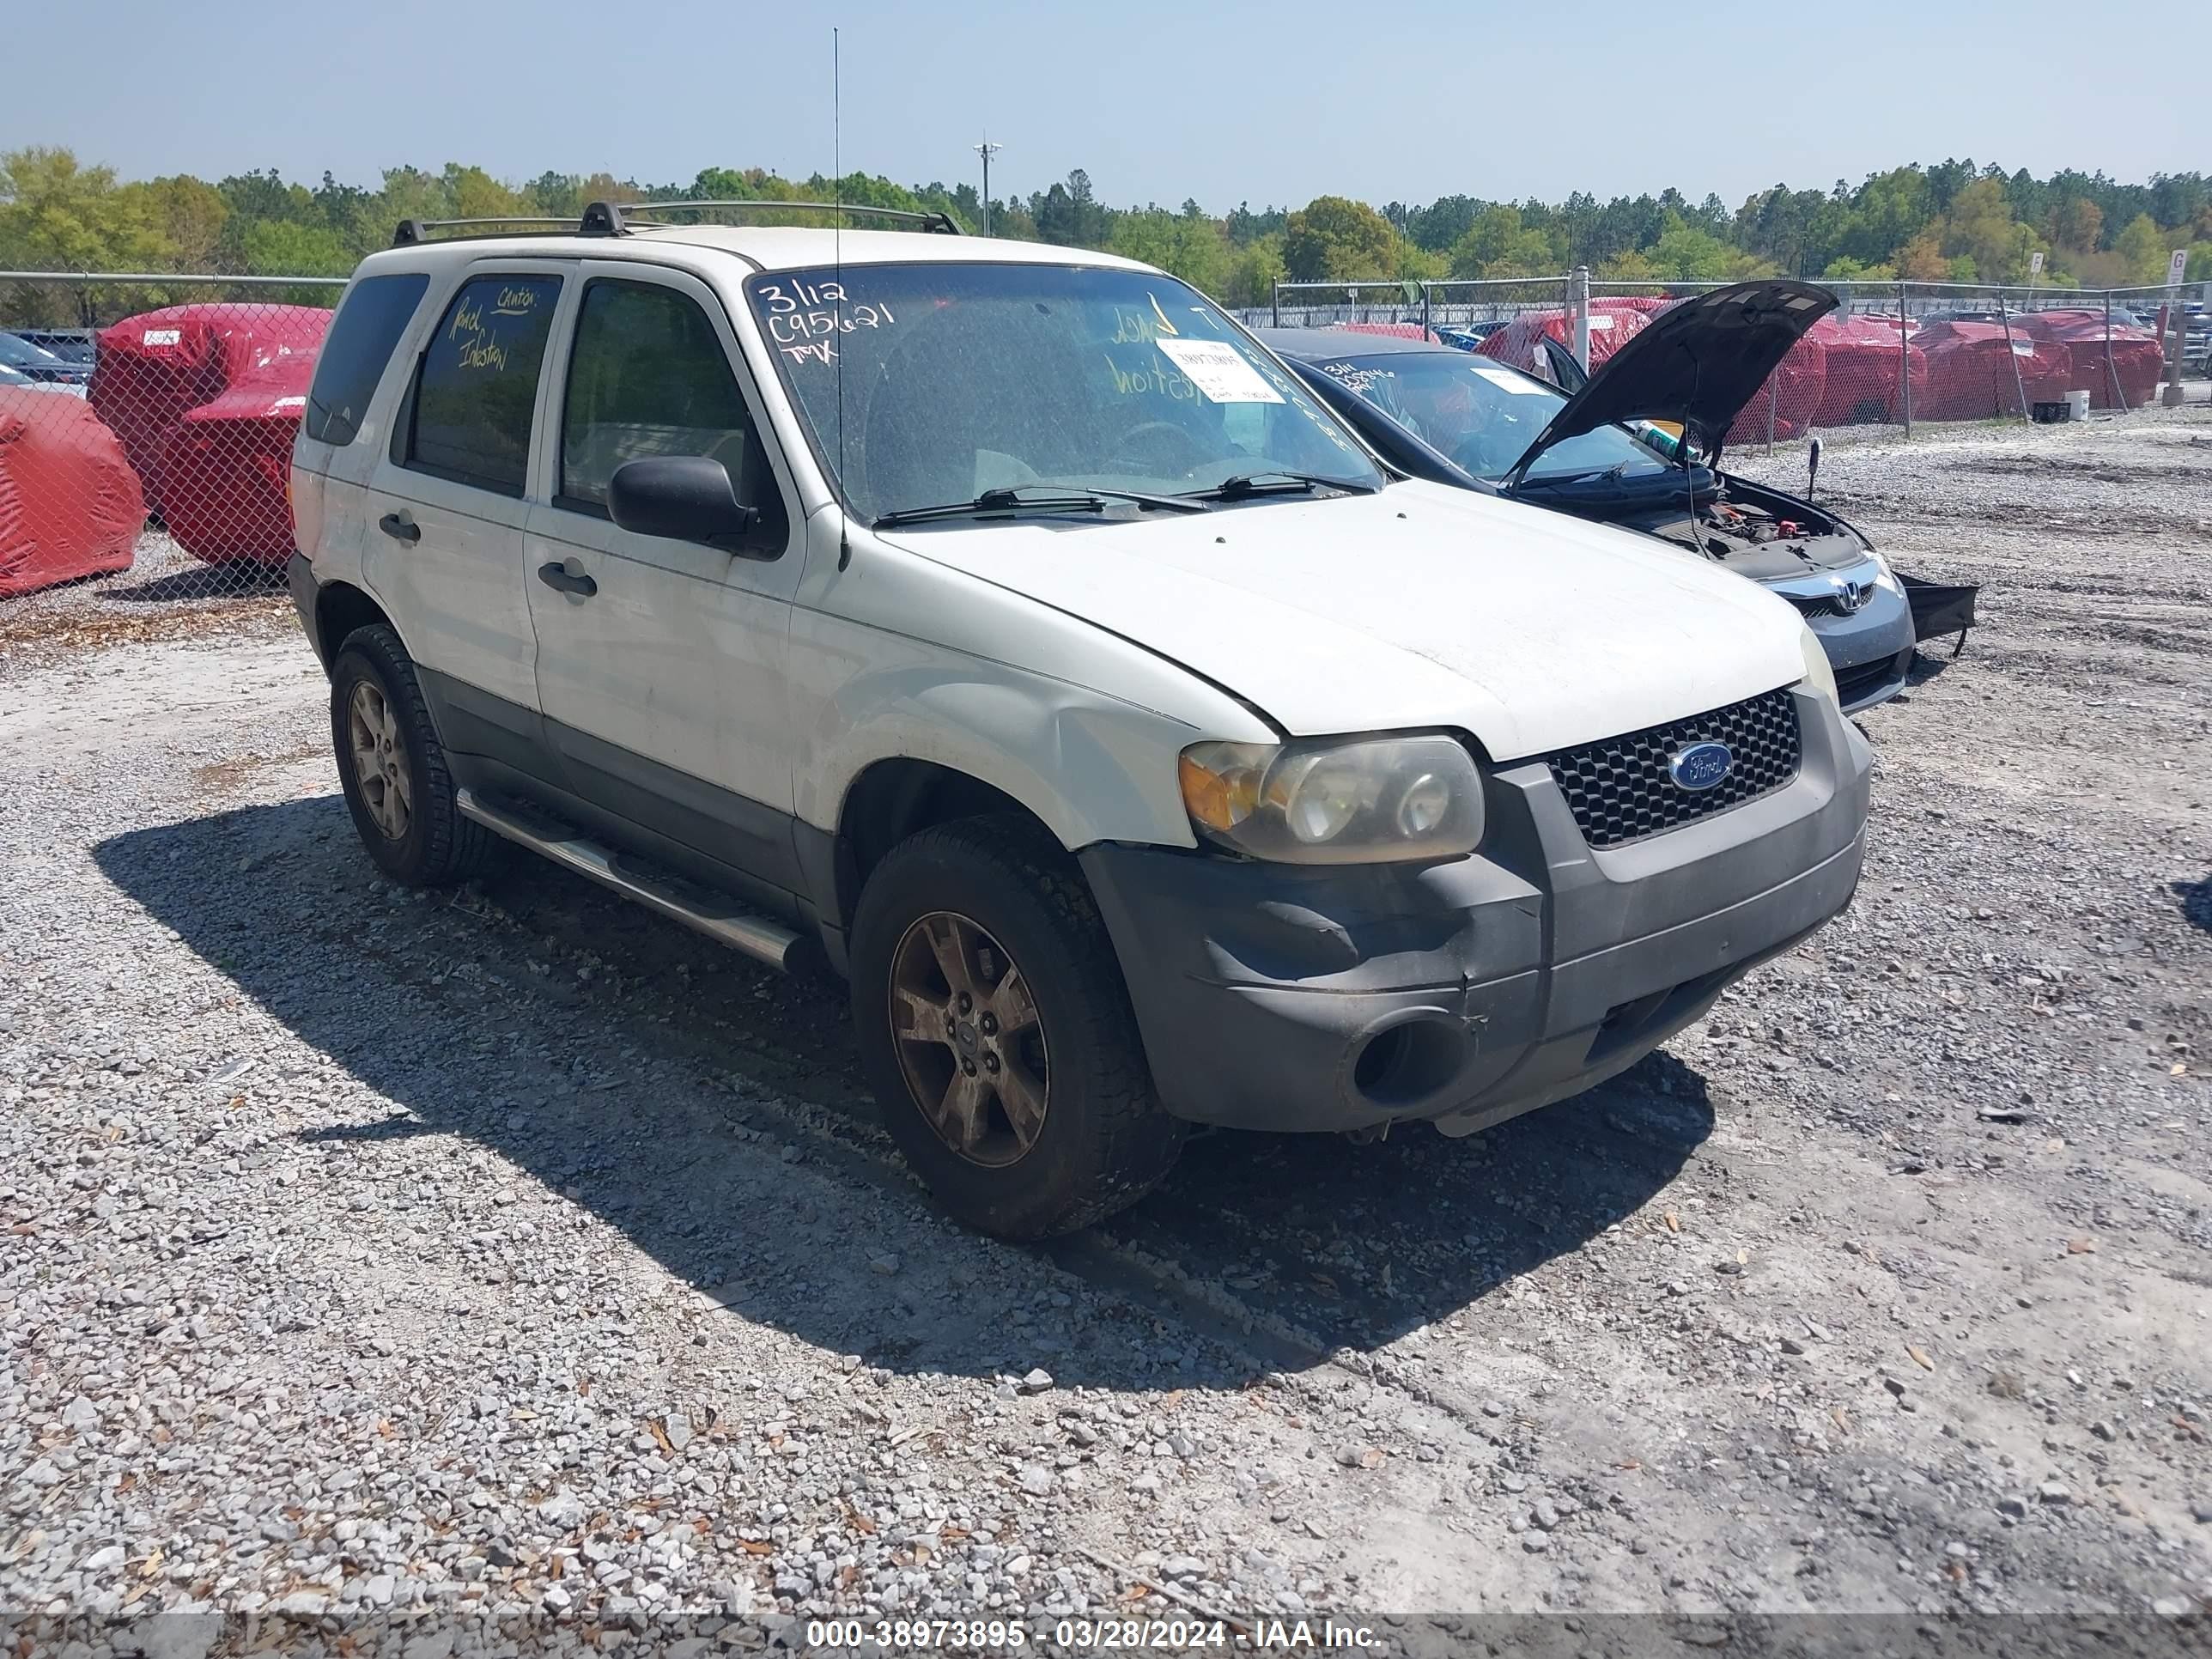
pixel 1696 364
pixel 1419 606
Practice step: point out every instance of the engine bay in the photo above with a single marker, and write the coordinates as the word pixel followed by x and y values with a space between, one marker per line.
pixel 1753 531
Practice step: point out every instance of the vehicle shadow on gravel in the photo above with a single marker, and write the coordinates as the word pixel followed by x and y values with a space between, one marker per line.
pixel 576 1037
pixel 2195 898
pixel 200 581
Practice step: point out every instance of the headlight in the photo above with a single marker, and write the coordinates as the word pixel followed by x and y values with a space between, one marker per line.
pixel 1818 674
pixel 1367 801
pixel 1883 575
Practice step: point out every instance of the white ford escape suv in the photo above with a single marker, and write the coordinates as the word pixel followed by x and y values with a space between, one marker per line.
pixel 1000 627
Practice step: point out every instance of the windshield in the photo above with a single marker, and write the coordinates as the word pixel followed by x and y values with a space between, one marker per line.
pixel 960 379
pixel 1484 415
pixel 19 353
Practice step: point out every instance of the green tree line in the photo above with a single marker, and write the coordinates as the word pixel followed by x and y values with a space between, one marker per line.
pixel 1953 221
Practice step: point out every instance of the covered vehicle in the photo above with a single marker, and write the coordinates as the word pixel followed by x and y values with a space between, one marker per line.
pixel 156 366
pixel 1438 414
pixel 1868 371
pixel 2127 361
pixel 1782 406
pixel 70 505
pixel 1521 342
pixel 226 463
pixel 1975 370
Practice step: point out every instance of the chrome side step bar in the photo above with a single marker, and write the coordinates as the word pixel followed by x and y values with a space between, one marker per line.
pixel 758 937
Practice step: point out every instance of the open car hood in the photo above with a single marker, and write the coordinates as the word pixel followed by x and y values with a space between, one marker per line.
pixel 1696 364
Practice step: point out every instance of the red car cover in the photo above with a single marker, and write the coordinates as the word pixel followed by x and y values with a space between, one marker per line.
pixel 1395 330
pixel 149 369
pixel 1794 388
pixel 1793 392
pixel 1610 327
pixel 1970 372
pixel 227 465
pixel 1865 363
pixel 2135 357
pixel 70 505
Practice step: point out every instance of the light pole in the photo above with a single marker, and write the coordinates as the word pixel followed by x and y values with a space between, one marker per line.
pixel 986 150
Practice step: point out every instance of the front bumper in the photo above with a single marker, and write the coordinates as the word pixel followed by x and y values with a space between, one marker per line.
pixel 1870 650
pixel 1280 997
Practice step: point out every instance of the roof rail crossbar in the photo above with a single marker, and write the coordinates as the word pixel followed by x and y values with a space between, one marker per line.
pixel 412 231
pixel 943 223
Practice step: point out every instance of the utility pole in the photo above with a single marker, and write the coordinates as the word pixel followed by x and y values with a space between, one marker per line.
pixel 986 150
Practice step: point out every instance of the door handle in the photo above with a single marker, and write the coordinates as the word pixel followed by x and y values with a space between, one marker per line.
pixel 568 580
pixel 400 527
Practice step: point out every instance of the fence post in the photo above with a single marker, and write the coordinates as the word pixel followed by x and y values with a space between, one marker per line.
pixel 1578 301
pixel 1904 363
pixel 1274 304
pixel 2111 368
pixel 2019 386
pixel 1427 333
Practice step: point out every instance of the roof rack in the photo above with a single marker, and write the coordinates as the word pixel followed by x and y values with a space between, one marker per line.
pixel 413 231
pixel 616 219
pixel 943 223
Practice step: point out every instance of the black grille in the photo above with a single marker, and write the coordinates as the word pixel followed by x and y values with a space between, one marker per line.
pixel 1864 680
pixel 1809 606
pixel 1619 790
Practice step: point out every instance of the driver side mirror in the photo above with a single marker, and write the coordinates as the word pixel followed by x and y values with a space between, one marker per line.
pixel 685 498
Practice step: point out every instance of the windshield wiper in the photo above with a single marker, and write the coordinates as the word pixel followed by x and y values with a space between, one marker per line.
pixel 1035 498
pixel 1272 482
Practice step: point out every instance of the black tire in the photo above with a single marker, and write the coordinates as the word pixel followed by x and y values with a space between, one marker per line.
pixel 1105 1140
pixel 438 846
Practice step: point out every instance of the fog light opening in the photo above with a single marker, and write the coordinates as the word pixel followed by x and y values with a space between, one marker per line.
pixel 1409 1061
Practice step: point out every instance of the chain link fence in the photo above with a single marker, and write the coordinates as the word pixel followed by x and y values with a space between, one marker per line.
pixel 146 427
pixel 147 419
pixel 1892 354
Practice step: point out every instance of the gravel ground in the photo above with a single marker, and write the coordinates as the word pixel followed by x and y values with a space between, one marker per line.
pixel 165 594
pixel 513 1250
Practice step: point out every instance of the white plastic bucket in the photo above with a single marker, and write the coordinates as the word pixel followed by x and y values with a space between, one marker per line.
pixel 2077 405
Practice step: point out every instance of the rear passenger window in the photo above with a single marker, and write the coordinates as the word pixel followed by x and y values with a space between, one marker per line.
pixel 478 384
pixel 648 377
pixel 367 325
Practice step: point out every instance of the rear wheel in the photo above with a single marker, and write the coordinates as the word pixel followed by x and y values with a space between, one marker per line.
pixel 999 1036
pixel 393 769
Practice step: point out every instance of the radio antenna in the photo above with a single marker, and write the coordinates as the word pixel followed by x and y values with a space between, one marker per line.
pixel 837 258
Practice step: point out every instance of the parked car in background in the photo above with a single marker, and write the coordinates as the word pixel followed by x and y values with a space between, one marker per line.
pixel 72 345
pixel 1439 414
pixel 999 626
pixel 14 378
pixel 37 363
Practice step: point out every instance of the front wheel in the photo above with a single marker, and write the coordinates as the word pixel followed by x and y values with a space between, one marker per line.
pixel 999 1036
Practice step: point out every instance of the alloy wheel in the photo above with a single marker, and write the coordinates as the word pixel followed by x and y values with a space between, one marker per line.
pixel 970 1043
pixel 380 760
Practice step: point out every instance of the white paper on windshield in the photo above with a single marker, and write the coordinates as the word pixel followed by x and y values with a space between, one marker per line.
pixel 1506 380
pixel 1602 324
pixel 1219 373
pixel 162 337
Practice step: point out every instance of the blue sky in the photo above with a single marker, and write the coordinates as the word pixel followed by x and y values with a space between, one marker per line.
pixel 1276 103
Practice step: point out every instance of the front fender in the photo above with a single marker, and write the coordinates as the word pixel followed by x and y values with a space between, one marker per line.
pixel 896 657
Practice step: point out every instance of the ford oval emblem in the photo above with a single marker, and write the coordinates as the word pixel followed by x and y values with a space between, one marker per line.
pixel 1701 765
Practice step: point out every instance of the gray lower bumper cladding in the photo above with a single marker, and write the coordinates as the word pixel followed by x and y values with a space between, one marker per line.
pixel 1287 998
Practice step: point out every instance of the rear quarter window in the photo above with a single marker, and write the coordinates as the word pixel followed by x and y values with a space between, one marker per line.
pixel 478 389
pixel 368 325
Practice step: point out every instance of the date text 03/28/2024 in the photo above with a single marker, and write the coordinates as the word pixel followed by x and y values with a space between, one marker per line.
pixel 1099 1635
